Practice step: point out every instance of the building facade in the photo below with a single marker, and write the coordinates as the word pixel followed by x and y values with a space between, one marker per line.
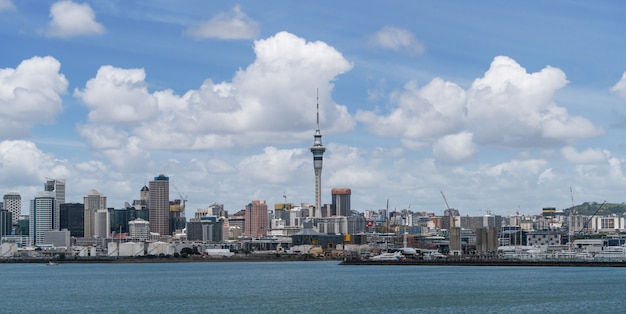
pixel 205 230
pixel 13 203
pixel 73 219
pixel 58 188
pixel 44 217
pixel 341 202
pixel 93 202
pixel 256 221
pixel 159 205
pixel 139 229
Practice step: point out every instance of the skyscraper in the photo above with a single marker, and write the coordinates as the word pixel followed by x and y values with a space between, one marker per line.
pixel 73 218
pixel 93 201
pixel 58 187
pixel 44 217
pixel 159 205
pixel 341 201
pixel 13 203
pixel 318 151
pixel 256 219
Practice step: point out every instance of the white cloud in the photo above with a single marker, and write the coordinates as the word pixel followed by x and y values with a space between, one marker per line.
pixel 118 96
pixel 30 94
pixel 270 102
pixel 588 156
pixel 274 165
pixel 6 5
pixel 397 39
pixel 236 25
pixel 422 114
pixel 69 19
pixel 454 148
pixel 508 107
pixel 22 163
pixel 620 87
pixel 511 107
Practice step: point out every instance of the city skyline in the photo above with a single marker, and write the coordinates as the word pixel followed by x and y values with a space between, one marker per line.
pixel 502 106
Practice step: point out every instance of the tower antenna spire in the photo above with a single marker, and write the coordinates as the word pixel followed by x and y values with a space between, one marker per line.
pixel 318 107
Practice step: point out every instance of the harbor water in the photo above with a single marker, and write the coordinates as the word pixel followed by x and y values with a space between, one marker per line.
pixel 307 287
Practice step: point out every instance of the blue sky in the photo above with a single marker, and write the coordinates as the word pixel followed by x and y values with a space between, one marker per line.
pixel 500 105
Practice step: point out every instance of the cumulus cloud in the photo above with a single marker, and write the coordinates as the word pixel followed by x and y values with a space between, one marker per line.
pixel 507 107
pixel 6 5
pixel 620 87
pixel 455 147
pixel 270 102
pixel 275 165
pixel 30 94
pixel 422 114
pixel 588 156
pixel 118 96
pixel 69 19
pixel 235 25
pixel 511 107
pixel 397 39
pixel 22 163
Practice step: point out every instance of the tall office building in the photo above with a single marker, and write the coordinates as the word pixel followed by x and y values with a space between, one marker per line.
pixel 341 201
pixel 73 218
pixel 44 217
pixel 256 219
pixel 6 223
pixel 58 187
pixel 159 205
pixel 318 151
pixel 13 203
pixel 94 201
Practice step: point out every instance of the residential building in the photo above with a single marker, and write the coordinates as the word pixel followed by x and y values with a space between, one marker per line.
pixel 256 221
pixel 13 203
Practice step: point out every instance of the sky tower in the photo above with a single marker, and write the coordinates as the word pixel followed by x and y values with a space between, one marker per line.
pixel 318 151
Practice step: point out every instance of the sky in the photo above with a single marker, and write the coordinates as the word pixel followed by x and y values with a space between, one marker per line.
pixel 502 107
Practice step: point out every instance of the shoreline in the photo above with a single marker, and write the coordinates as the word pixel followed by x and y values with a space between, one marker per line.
pixel 116 260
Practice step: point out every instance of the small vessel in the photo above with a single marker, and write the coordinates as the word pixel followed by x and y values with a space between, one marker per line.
pixel 386 256
pixel 51 263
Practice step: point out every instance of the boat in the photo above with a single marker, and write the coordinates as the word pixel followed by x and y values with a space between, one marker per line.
pixel 386 256
pixel 51 263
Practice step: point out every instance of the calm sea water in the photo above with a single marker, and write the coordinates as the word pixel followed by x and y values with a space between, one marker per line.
pixel 307 287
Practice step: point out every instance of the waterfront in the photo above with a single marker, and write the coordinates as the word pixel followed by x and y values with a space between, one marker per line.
pixel 308 287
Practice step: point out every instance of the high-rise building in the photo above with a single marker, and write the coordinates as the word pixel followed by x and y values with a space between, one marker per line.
pixel 58 187
pixel 73 219
pixel 318 151
pixel 341 201
pixel 159 205
pixel 13 203
pixel 44 217
pixel 6 222
pixel 94 201
pixel 256 219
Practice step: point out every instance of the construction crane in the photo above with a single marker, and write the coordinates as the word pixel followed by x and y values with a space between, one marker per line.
pixel 452 223
pixel 182 199
pixel 586 223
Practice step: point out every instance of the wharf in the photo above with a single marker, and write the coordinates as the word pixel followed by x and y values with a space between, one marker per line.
pixel 486 262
